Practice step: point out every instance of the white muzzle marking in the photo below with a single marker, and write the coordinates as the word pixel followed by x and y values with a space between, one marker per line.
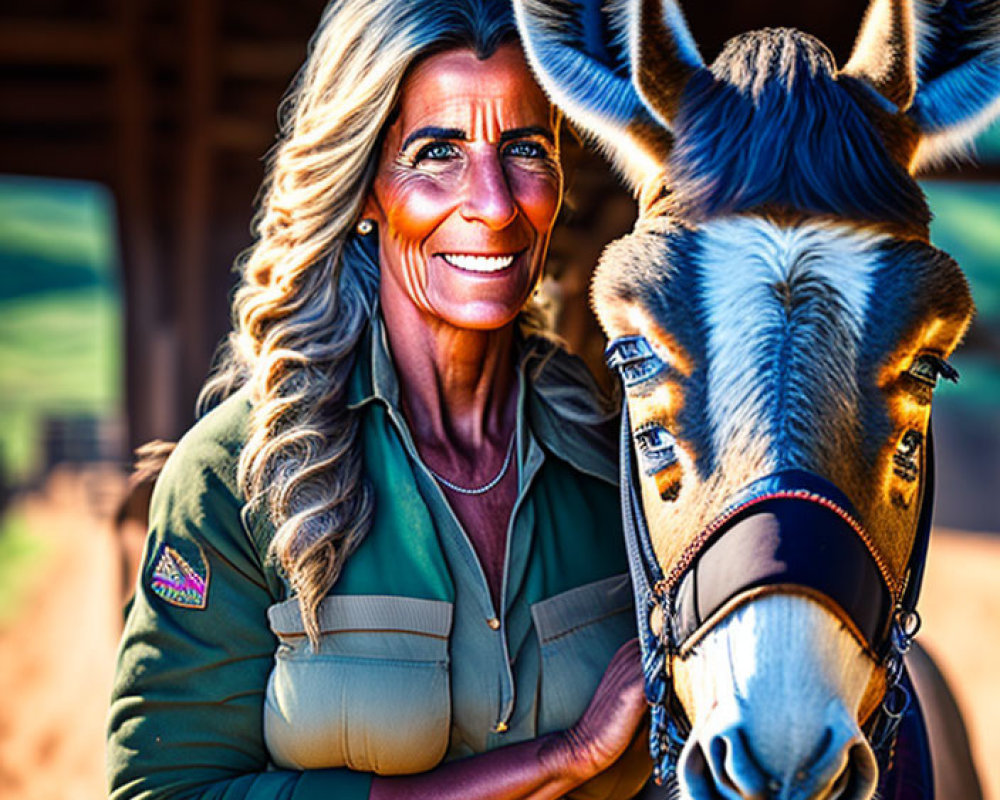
pixel 776 688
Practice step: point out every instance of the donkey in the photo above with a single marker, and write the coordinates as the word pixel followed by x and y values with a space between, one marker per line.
pixel 779 320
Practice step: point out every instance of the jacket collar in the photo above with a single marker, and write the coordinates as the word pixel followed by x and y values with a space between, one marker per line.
pixel 565 410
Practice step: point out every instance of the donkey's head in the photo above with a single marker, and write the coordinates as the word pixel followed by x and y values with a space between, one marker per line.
pixel 779 320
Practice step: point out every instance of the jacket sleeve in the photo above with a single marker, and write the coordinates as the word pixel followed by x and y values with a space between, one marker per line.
pixel 187 703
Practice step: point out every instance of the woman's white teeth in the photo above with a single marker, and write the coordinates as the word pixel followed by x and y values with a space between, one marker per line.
pixel 479 263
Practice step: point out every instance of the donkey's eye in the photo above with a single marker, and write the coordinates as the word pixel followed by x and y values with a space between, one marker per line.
pixel 656 448
pixel 927 367
pixel 634 359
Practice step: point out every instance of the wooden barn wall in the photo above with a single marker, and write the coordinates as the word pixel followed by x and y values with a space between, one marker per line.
pixel 172 104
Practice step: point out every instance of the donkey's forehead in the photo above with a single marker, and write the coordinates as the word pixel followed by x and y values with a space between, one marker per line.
pixel 726 283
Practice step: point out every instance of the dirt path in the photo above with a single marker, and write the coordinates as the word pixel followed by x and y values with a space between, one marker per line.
pixel 960 606
pixel 56 660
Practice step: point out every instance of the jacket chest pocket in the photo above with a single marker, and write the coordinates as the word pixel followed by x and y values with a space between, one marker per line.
pixel 578 633
pixel 374 697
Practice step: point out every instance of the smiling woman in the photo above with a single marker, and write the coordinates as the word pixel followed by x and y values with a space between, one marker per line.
pixel 388 562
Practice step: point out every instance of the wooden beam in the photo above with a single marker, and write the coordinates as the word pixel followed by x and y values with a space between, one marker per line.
pixel 195 195
pixel 151 414
pixel 264 60
pixel 33 103
pixel 58 43
pixel 971 172
pixel 242 134
pixel 261 60
pixel 78 160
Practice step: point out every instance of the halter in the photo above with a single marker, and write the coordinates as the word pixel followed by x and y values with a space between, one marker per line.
pixel 741 538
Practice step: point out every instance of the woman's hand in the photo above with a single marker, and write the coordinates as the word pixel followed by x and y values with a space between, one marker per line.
pixel 626 777
pixel 553 765
pixel 609 724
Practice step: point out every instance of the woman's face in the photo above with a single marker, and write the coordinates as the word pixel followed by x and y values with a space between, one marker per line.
pixel 467 188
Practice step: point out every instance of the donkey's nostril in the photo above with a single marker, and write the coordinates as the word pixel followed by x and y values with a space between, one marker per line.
pixel 859 776
pixel 721 768
pixel 724 766
pixel 731 765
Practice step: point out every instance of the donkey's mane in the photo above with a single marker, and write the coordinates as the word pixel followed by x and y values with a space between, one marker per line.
pixel 772 126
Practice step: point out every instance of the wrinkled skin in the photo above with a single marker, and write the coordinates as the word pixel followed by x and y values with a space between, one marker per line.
pixel 469 167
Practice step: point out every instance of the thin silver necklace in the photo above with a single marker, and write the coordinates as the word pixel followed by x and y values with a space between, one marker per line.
pixel 486 486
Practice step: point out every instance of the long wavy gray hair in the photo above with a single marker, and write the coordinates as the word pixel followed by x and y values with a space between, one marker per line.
pixel 308 285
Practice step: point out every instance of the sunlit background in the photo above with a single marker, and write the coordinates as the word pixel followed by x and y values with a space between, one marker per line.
pixel 113 293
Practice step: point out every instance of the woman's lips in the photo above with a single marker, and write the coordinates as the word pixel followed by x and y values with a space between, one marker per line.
pixel 480 263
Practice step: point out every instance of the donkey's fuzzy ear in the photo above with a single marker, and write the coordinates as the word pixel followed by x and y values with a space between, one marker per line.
pixel 958 75
pixel 579 51
pixel 664 55
pixel 884 54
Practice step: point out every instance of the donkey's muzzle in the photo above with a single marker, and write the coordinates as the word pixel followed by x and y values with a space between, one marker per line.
pixel 795 530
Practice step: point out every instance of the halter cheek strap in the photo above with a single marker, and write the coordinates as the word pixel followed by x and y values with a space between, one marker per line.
pixel 668 723
pixel 644 568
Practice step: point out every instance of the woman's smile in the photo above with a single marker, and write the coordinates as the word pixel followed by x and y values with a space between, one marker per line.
pixel 481 264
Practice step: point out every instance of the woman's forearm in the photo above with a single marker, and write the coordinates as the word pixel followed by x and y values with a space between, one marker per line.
pixel 537 769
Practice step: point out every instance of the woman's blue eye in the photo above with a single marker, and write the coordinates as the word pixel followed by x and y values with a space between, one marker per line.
pixel 436 151
pixel 525 149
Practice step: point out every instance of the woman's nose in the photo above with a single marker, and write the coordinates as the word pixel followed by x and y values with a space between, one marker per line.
pixel 488 197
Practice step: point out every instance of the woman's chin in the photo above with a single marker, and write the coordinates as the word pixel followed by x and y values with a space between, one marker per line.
pixel 478 315
pixel 478 305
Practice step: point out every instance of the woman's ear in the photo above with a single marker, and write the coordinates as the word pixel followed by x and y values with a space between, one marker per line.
pixel 371 214
pixel 370 207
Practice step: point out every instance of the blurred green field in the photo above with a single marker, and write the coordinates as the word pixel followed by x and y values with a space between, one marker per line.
pixel 60 312
pixel 60 353
pixel 988 144
pixel 55 236
pixel 967 226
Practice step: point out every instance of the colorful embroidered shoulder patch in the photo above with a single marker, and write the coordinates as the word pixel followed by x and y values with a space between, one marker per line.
pixel 178 582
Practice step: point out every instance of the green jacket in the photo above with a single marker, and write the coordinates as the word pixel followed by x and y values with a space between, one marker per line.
pixel 217 694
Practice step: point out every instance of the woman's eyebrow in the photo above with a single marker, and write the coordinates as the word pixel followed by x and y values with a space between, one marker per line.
pixel 434 133
pixel 520 133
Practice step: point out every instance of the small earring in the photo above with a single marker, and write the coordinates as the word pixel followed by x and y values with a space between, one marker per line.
pixel 365 227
